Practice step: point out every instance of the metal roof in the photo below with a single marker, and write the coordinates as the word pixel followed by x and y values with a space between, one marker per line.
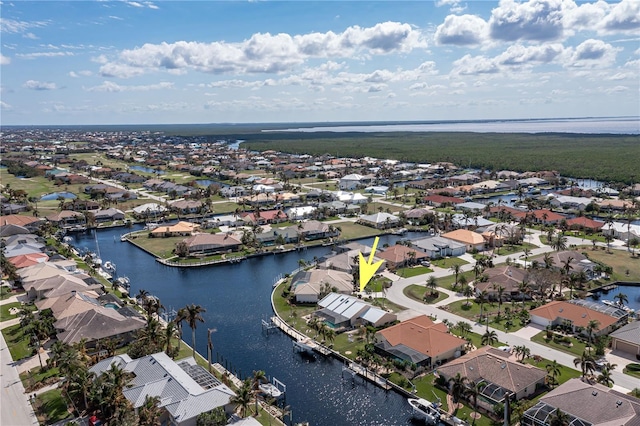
pixel 599 307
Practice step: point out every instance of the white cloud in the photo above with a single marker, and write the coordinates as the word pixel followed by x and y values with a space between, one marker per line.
pixel 43 55
pixel 5 106
pixel 534 20
pixel 593 54
pixel 461 30
pixel 264 52
pixel 14 27
pixel 84 73
pixel 4 60
pixel 624 16
pixel 39 85
pixel 30 36
pixel 521 55
pixel 473 65
pixel 109 86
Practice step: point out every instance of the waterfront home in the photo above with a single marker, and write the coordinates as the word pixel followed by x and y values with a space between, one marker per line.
pixel 263 217
pixel 341 311
pixel 500 375
pixel 627 339
pixel 584 404
pixel 584 223
pixel 398 256
pixel 179 229
pixel 419 341
pixel 186 206
pixel 614 204
pixel 438 247
pixel 310 230
pixel 309 286
pixel 60 285
pixel 39 271
pixel 578 262
pixel 287 235
pixel 184 388
pixel 353 181
pixel 497 234
pixel 507 277
pixel 380 220
pixel 66 218
pixel 205 244
pixel 472 240
pixel 546 217
pixel 149 210
pixel 569 202
pixel 25 260
pixel 437 200
pixel 576 314
pixel 622 231
pixel 11 229
pixel 300 212
pixel 108 215
pixel 460 220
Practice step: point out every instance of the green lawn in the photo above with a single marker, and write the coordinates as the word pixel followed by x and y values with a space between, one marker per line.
pixel 4 311
pixel 566 373
pixel 52 407
pixel 376 284
pixel 417 292
pixel 350 230
pixel 448 262
pixel 17 342
pixel 472 312
pixel 413 271
pixel 577 348
pixel 38 375
pixel 5 292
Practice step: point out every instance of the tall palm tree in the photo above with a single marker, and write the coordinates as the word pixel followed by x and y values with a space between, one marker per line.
pixel 489 338
pixel 457 386
pixel 605 377
pixel 193 315
pixel 621 298
pixel 553 371
pixel 243 397
pixel 592 325
pixel 586 362
pixel 456 271
pixel 473 392
pixel 482 299
pixel 559 418
pixel 170 332
pixel 149 413
pixel 432 284
pixel 259 377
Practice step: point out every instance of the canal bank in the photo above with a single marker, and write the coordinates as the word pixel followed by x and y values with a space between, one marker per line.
pixel 237 297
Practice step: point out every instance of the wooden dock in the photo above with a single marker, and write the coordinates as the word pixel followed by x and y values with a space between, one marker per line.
pixel 302 339
pixel 356 369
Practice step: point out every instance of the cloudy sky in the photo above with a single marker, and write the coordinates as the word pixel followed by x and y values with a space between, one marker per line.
pixel 111 62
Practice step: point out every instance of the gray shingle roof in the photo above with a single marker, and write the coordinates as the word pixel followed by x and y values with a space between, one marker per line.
pixel 629 333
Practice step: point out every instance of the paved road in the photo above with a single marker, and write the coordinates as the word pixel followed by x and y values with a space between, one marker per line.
pixel 15 407
pixel 396 295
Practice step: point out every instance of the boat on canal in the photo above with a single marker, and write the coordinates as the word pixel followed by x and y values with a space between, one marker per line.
pixel 270 389
pixel 423 409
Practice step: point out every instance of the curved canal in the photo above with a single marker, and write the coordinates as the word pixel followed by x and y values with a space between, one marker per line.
pixel 237 298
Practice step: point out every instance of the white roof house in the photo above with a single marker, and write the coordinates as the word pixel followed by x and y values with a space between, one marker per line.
pixel 184 388
pixel 621 230
pixel 343 310
pixel 352 181
pixel 149 208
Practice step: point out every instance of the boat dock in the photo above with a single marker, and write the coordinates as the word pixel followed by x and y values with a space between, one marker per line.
pixel 301 341
pixel 357 370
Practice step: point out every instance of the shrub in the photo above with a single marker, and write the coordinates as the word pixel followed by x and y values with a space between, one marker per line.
pixel 633 367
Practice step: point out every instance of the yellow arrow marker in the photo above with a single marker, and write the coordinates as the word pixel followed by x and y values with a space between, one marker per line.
pixel 368 268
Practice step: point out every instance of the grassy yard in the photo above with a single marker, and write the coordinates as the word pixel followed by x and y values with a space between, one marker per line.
pixel 448 262
pixel 17 342
pixel 350 230
pixel 161 247
pixel 621 262
pixel 417 292
pixel 51 407
pixel 39 375
pixel 5 292
pixel 472 312
pixel 413 271
pixel 577 347
pixel 632 372
pixel 5 313
pixel 376 284
pixel 566 373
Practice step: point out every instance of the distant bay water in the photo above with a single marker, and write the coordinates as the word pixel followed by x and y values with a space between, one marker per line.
pixel 606 125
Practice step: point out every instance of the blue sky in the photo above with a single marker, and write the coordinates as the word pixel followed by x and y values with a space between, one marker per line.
pixel 136 62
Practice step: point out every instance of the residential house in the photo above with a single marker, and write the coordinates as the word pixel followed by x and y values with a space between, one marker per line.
pixel 584 223
pixel 66 218
pixel 187 206
pixel 627 339
pixel 353 181
pixel 205 244
pixel 546 217
pixel 108 215
pixel 576 315
pixel 341 311
pixel 380 220
pixel 621 231
pixel 584 404
pixel 95 325
pixel 472 240
pixel 25 260
pixel 419 341
pixel 569 202
pixel 310 286
pixel 263 217
pixel 185 389
pixel 149 210
pixel 176 230
pixel 507 277
pixel 578 262
pixel 438 247
pixel 398 256
pixel 316 230
pixel 500 375
pixel 437 200
pixel 60 285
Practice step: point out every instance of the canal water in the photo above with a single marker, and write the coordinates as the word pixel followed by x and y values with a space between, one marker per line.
pixel 236 298
pixel 631 291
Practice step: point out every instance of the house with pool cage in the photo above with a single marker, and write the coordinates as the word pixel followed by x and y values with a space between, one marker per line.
pixel 584 404
pixel 501 376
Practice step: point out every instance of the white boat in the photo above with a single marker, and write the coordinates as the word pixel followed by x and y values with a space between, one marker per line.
pixel 303 346
pixel 270 389
pixel 109 266
pixel 426 410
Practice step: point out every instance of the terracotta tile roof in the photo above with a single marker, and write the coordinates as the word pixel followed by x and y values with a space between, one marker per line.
pixel 585 222
pixel 422 335
pixel 464 236
pixel 399 253
pixel 578 315
pixel 14 219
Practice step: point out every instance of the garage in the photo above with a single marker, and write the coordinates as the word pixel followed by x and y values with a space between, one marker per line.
pixel 620 345
pixel 627 339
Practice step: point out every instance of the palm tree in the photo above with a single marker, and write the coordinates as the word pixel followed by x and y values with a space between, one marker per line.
pixel 243 397
pixel 592 325
pixel 193 312
pixel 259 377
pixel 457 386
pixel 526 253
pixel 605 377
pixel 553 371
pixel 432 284
pixel 489 338
pixel 586 362
pixel 473 392
pixel 463 327
pixel 559 418
pixel 523 289
pixel 622 298
pixel 181 316
pixel 456 271
pixel 150 412
pixel 547 260
pixel 566 265
pixel 559 242
pixel 467 292
pixel 482 299
pixel 170 332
